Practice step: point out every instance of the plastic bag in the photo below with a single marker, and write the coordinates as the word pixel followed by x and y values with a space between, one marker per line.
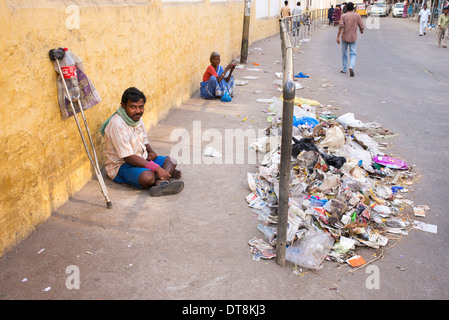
pixel 226 97
pixel 348 120
pixel 311 249
pixel 307 121
pixel 307 144
pixel 390 162
pixel 352 149
pixel 335 138
pixel 335 161
pixel 367 142
pixel 299 112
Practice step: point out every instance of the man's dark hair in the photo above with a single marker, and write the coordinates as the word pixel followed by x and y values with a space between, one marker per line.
pixel 134 95
pixel 285 2
pixel 349 6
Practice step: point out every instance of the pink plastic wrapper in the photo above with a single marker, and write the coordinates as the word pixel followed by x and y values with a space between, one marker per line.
pixel 390 162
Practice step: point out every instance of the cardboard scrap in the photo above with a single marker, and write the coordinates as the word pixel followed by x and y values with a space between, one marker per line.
pixel 419 212
pixel 356 261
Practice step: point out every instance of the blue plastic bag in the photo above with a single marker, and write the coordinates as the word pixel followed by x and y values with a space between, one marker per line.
pixel 226 97
pixel 301 75
pixel 310 122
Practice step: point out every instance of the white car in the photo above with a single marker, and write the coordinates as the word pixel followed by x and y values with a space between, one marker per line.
pixel 398 10
pixel 379 9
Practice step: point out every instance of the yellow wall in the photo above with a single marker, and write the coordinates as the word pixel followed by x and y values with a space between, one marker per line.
pixel 161 48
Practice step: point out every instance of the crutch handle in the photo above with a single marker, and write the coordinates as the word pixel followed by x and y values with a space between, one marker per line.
pixel 56 54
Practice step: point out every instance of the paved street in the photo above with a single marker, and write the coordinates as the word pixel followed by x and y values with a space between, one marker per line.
pixel 194 245
pixel 401 82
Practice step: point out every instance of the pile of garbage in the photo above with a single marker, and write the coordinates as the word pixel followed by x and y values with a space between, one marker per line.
pixel 345 191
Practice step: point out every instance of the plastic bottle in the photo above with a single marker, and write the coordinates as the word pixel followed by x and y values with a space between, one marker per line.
pixel 68 69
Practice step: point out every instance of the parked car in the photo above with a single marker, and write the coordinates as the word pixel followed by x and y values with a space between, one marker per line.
pixel 361 9
pixel 379 9
pixel 398 10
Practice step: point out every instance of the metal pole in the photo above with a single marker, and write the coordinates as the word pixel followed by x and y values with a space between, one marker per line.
pixel 286 145
pixel 284 171
pixel 245 33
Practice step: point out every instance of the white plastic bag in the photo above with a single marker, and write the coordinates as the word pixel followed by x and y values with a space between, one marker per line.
pixel 348 120
pixel 311 249
pixel 352 149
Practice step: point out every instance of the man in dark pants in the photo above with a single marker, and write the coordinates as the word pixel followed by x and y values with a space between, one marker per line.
pixel 330 13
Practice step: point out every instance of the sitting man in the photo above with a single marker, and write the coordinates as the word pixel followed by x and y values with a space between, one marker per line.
pixel 129 156
pixel 216 80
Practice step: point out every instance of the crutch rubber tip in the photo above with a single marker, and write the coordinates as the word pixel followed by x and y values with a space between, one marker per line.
pixel 109 204
pixel 56 54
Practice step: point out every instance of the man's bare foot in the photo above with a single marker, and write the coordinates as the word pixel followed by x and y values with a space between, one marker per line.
pixel 177 174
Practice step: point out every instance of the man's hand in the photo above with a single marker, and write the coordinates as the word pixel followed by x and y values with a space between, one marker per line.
pixel 151 156
pixel 162 173
pixel 338 40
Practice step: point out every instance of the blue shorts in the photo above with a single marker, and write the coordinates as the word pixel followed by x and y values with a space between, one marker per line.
pixel 130 175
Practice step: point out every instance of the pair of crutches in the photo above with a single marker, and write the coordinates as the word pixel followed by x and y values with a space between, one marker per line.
pixel 55 55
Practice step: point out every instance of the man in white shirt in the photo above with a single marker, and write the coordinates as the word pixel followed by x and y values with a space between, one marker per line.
pixel 129 157
pixel 423 19
pixel 296 20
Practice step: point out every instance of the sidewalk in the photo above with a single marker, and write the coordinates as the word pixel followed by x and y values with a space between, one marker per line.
pixel 195 245
pixel 188 246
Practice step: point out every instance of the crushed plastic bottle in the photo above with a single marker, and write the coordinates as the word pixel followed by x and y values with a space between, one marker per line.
pixel 68 68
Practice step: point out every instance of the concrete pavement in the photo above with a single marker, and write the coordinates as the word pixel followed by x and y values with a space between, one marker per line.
pixel 194 245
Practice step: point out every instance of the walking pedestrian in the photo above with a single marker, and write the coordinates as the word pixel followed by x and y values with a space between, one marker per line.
pixel 285 12
pixel 330 13
pixel 348 32
pixel 443 26
pixel 296 20
pixel 404 13
pixel 423 19
pixel 337 15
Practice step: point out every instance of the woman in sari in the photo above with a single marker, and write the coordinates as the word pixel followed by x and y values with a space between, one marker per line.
pixel 337 15
pixel 216 80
